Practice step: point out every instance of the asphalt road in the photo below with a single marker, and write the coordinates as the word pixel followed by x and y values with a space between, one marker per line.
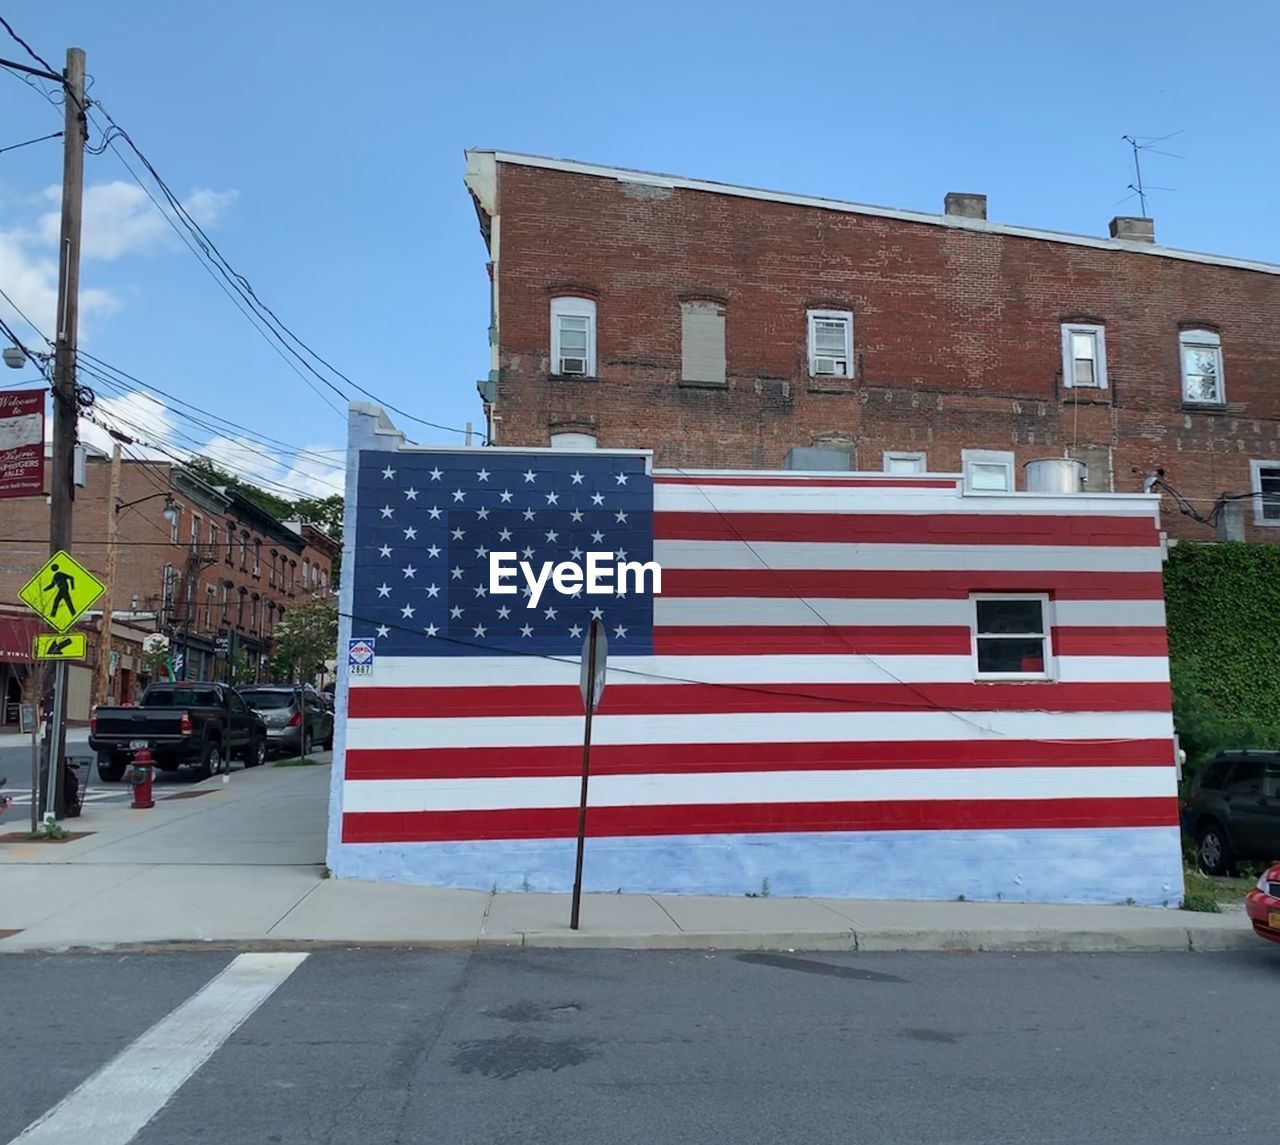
pixel 534 1046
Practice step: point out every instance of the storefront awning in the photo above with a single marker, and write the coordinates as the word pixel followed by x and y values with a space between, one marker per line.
pixel 17 635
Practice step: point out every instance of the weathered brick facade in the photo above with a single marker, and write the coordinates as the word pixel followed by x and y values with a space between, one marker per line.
pixel 956 333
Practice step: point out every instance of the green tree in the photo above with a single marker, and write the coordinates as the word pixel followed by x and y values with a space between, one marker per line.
pixel 306 638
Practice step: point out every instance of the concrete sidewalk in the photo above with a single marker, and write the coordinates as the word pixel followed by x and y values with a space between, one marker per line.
pixel 241 863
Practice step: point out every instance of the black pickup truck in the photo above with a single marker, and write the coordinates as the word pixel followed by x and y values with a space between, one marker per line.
pixel 201 725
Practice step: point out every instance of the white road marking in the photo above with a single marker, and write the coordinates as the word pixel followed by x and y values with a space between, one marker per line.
pixel 113 1106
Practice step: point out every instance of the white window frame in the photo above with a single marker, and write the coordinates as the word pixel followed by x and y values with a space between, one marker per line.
pixel 196 522
pixel 574 441
pixel 1046 621
pixel 972 457
pixel 845 316
pixel 1099 336
pixel 570 307
pixel 892 455
pixel 1201 340
pixel 175 527
pixel 1255 483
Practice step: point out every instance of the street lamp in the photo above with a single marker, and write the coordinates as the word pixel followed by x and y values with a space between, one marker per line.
pixel 172 513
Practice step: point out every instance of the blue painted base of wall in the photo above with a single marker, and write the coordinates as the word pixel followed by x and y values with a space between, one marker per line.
pixel 1142 865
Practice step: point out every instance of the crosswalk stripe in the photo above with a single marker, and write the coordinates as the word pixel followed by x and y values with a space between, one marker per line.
pixel 116 1103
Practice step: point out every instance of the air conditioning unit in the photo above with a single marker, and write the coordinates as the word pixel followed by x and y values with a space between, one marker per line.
pixel 829 366
pixel 573 365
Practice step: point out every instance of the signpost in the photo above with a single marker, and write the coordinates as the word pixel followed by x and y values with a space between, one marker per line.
pixel 22 443
pixel 60 594
pixel 595 656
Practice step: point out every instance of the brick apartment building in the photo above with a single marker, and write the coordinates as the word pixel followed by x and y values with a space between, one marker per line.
pixel 730 327
pixel 218 581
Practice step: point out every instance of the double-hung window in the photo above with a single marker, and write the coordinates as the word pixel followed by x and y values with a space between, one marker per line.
pixel 1200 352
pixel 1011 637
pixel 573 337
pixel 1084 356
pixel 830 344
pixel 1266 488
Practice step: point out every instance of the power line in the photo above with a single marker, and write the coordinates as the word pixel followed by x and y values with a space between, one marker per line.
pixel 28 48
pixel 29 142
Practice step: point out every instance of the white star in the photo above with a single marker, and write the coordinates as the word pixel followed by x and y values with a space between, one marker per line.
pixel 386 511
pixel 411 493
pixel 577 478
pixel 527 554
pixel 482 514
pixel 575 631
pixel 411 534
pixel 384 590
pixel 431 630
pixel 433 513
pixel 433 590
pixel 455 612
pixel 456 572
pixel 576 514
pixel 550 614
pixel 407 611
pixel 506 496
pixel 480 590
pixel 622 554
pixel 526 592
pixel 597 536
pixel 621 478
pixel 482 552
pixel 436 475
pixel 458 494
pixel 388 473
pixel 526 631
pixel 529 475
pixel 504 612
pixel 528 514
pixel 577 591
pixel 621 594
pixel 383 630
pixel 553 497
pixel 576 554
pixel 479 630
pixel 620 632
pixel 504 535
pixel 620 517
pixel 457 534
pixel 597 614
pixel 385 551
pixel 433 551
pixel 552 535
pixel 597 498
pixel 483 475
pixel 408 571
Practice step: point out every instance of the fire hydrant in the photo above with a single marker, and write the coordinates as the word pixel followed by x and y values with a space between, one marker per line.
pixel 139 775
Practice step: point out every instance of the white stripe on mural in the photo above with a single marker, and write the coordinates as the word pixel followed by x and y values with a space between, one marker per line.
pixel 760 787
pixel 508 671
pixel 943 559
pixel 675 611
pixel 758 727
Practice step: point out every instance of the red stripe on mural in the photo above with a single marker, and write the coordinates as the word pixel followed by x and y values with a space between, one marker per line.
pixel 758 818
pixel 907 528
pixel 816 483
pixel 1087 641
pixel 908 584
pixel 676 759
pixel 690 699
pixel 871 640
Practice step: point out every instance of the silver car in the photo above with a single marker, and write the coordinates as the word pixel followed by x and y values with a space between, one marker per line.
pixel 297 720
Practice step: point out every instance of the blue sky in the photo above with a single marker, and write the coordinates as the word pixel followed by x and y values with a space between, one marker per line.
pixel 323 144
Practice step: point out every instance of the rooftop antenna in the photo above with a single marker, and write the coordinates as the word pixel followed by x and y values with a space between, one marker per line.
pixel 1145 143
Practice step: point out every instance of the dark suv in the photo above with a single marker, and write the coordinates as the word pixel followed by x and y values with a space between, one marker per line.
pixel 1232 810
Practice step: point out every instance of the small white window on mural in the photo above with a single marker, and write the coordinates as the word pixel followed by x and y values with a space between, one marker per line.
pixel 988 471
pixel 1200 352
pixel 1011 636
pixel 904 462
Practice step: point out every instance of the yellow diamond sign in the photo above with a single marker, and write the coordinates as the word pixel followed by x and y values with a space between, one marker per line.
pixel 72 646
pixel 62 591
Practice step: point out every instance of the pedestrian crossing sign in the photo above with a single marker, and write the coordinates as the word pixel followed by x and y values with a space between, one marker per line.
pixel 72 646
pixel 62 591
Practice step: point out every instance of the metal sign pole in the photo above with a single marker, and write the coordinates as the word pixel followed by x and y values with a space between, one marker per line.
pixel 589 699
pixel 53 802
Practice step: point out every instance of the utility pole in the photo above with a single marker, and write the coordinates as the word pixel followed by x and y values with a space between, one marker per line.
pixel 65 406
pixel 104 636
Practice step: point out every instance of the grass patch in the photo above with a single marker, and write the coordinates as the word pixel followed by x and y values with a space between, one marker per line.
pixel 296 761
pixel 1210 891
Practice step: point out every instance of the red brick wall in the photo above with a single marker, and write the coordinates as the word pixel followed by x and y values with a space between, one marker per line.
pixel 956 332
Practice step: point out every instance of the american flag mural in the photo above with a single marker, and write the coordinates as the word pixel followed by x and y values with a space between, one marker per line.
pixel 849 684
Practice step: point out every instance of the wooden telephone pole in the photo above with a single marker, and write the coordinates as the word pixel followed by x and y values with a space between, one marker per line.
pixel 103 685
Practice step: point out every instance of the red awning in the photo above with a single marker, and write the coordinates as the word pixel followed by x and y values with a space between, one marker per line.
pixel 17 635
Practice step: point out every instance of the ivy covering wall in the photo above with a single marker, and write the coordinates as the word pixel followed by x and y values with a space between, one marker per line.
pixel 1223 604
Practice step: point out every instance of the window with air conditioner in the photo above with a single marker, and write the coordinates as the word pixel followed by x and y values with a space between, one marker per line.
pixel 830 344
pixel 1084 356
pixel 573 337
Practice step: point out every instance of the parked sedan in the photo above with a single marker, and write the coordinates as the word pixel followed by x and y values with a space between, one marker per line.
pixel 296 719
pixel 1262 905
pixel 1232 810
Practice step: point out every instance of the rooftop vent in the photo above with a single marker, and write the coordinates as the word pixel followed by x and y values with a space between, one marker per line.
pixel 965 205
pixel 1133 230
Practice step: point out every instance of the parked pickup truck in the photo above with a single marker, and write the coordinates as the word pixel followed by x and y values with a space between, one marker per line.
pixel 200 725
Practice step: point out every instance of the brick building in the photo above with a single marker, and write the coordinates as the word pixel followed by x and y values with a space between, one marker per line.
pixel 218 580
pixel 730 327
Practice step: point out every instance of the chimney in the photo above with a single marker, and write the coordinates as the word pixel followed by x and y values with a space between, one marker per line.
pixel 1134 230
pixel 966 206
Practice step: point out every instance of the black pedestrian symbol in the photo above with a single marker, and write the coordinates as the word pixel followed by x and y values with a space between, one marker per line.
pixel 62 585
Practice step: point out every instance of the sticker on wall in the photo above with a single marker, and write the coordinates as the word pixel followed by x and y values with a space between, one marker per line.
pixel 360 656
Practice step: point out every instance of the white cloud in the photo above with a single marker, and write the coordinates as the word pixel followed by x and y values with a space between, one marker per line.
pixel 31 280
pixel 287 478
pixel 119 219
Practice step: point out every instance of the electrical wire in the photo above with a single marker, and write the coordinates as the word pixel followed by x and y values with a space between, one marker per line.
pixel 29 142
